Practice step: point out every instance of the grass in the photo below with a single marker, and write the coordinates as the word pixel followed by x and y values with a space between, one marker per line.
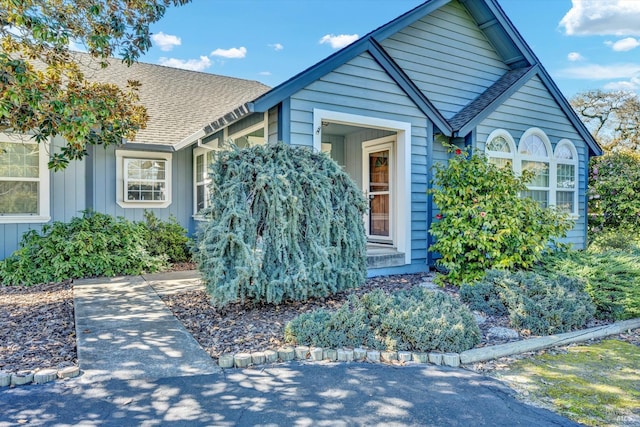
pixel 597 385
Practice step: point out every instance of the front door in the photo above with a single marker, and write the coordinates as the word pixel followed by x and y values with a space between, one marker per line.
pixel 378 188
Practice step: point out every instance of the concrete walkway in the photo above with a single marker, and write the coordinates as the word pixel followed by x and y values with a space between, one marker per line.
pixel 125 331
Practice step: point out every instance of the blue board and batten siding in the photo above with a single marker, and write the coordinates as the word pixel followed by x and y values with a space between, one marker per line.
pixel 104 188
pixel 91 184
pixel 361 87
pixel 533 106
pixel 67 191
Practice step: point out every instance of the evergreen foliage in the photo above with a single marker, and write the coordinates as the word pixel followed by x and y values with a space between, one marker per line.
pixel 415 320
pixel 612 277
pixel 542 305
pixel 284 223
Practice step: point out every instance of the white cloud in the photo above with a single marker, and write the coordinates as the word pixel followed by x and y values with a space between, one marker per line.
pixel 233 53
pixel 633 84
pixel 276 46
pixel 339 41
pixel 574 56
pixel 603 17
pixel 190 64
pixel 265 73
pixel 601 72
pixel 166 42
pixel 626 44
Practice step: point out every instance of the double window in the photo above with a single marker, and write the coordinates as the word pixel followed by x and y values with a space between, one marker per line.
pixel 555 172
pixel 24 180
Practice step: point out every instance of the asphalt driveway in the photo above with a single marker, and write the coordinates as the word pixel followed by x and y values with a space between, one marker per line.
pixel 292 394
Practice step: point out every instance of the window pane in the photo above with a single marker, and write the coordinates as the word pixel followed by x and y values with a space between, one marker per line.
pixel 200 201
pixel 145 191
pixel 533 146
pixel 200 168
pixel 563 152
pixel 541 169
pixel 18 160
pixel 18 197
pixel 566 176
pixel 146 169
pixel 540 196
pixel 565 201
pixel 254 138
pixel 502 163
pixel 499 144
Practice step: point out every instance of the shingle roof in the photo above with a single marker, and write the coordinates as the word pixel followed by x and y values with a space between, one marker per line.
pixel 179 102
pixel 492 93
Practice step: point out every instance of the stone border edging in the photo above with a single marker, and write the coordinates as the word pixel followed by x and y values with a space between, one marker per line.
pixel 317 354
pixel 41 376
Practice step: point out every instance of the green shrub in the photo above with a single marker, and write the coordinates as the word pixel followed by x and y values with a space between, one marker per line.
pixel 483 222
pixel 416 320
pixel 612 279
pixel 534 302
pixel 614 192
pixel 621 239
pixel 165 238
pixel 284 223
pixel 92 245
pixel 484 295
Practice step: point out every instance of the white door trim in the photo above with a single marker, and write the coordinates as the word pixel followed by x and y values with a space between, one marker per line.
pixel 402 165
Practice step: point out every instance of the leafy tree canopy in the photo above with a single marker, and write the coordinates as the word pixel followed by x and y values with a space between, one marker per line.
pixel 44 91
pixel 612 117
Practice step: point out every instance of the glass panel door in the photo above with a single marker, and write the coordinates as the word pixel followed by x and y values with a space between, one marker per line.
pixel 378 188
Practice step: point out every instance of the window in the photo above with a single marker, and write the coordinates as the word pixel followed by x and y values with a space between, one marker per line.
pixel 533 153
pixel 24 180
pixel 500 148
pixel 566 176
pixel 253 135
pixel 555 180
pixel 202 161
pixel 144 179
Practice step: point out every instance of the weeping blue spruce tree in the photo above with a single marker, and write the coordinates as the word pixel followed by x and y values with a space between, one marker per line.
pixel 284 223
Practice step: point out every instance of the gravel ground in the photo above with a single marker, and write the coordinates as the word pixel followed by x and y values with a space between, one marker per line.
pixel 37 324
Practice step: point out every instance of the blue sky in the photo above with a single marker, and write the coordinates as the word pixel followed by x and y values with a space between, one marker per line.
pixel 584 44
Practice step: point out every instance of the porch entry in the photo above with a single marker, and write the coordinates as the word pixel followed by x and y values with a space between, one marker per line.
pixel 377 182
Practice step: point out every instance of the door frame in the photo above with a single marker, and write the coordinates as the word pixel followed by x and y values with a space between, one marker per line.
pixel 371 146
pixel 403 164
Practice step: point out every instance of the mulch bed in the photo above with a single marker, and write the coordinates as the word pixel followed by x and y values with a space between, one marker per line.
pixel 37 327
pixel 37 323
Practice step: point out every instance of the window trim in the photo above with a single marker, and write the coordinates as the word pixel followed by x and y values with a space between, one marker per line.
pixel 498 154
pixel 121 156
pixel 575 163
pixel 551 159
pixel 548 159
pixel 44 182
pixel 199 151
pixel 264 124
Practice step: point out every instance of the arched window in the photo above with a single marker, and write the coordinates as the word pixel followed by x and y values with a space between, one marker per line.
pixel 566 176
pixel 556 173
pixel 534 155
pixel 500 148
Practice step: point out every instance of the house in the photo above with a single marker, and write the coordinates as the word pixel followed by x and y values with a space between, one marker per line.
pixel 448 71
